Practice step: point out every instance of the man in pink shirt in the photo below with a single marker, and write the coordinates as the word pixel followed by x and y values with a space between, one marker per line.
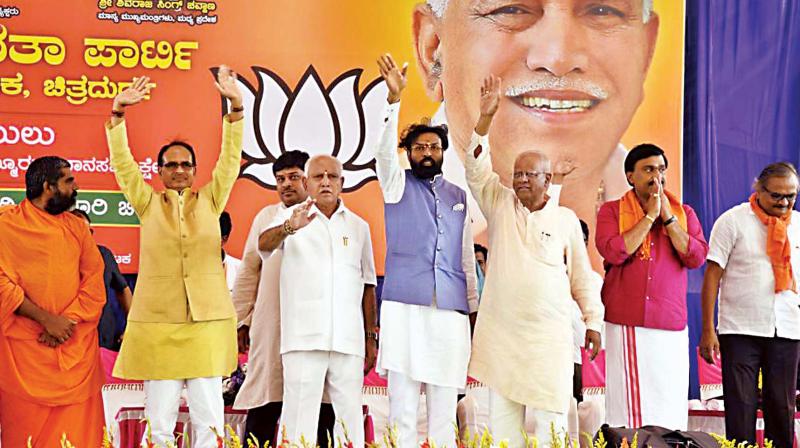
pixel 648 241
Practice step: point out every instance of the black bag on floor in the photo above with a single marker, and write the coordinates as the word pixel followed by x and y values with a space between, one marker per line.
pixel 690 439
pixel 648 436
pixel 657 437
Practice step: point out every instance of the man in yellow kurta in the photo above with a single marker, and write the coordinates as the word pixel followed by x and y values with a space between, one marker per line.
pixel 182 324
pixel 51 297
pixel 522 347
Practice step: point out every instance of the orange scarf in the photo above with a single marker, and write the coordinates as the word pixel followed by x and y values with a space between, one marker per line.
pixel 631 212
pixel 778 248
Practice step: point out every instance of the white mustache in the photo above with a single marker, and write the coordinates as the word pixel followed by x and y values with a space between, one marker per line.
pixel 558 83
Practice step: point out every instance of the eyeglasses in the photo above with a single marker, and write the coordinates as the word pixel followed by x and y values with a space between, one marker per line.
pixel 777 197
pixel 421 147
pixel 529 174
pixel 174 165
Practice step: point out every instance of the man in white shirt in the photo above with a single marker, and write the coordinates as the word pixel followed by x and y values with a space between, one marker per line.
pixel 327 301
pixel 430 289
pixel 522 347
pixel 256 299
pixel 753 256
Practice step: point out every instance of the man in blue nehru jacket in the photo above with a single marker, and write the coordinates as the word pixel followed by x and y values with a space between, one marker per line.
pixel 430 289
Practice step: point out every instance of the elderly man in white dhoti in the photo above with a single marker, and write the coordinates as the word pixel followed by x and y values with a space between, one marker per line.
pixel 522 348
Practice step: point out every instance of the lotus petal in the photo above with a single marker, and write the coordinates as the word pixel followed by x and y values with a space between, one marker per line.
pixel 261 173
pixel 354 179
pixel 250 145
pixel 344 95
pixel 373 104
pixel 310 121
pixel 271 105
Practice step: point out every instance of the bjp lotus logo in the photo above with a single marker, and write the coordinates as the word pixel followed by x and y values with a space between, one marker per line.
pixel 337 120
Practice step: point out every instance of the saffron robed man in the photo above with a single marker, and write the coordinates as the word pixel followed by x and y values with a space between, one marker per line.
pixel 182 325
pixel 327 305
pixel 51 299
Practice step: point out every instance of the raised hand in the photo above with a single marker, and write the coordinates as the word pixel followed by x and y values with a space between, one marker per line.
pixel 490 101
pixel 394 76
pixel 300 217
pixel 490 95
pixel 227 86
pixel 563 167
pixel 133 94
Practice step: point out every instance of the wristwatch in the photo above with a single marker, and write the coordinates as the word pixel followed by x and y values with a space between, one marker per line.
pixel 670 220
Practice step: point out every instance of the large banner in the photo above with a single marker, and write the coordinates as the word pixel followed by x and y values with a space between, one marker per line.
pixel 582 83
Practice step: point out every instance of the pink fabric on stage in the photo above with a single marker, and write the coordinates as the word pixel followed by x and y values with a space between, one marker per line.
pixel 374 380
pixel 107 359
pixel 710 376
pixel 369 426
pixel 708 373
pixel 593 372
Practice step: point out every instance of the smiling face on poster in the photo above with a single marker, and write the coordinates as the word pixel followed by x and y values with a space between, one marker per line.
pixel 578 80
pixel 573 74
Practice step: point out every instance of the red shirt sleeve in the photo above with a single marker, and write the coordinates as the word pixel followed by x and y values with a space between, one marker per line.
pixel 608 240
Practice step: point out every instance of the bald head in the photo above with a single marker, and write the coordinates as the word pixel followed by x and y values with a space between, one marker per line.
pixel 532 160
pixel 325 162
pixel 531 179
pixel 324 181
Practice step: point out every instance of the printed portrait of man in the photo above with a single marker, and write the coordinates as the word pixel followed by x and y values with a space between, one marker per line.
pixel 572 77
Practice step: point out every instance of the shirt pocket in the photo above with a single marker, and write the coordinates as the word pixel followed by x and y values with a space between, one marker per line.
pixel 549 249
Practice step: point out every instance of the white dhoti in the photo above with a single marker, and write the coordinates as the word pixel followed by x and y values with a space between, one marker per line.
pixel 647 377
pixel 305 375
pixel 206 409
pixel 422 346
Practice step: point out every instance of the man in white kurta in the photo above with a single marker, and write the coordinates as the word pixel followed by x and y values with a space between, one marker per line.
pixel 327 280
pixel 425 341
pixel 522 347
pixel 256 299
